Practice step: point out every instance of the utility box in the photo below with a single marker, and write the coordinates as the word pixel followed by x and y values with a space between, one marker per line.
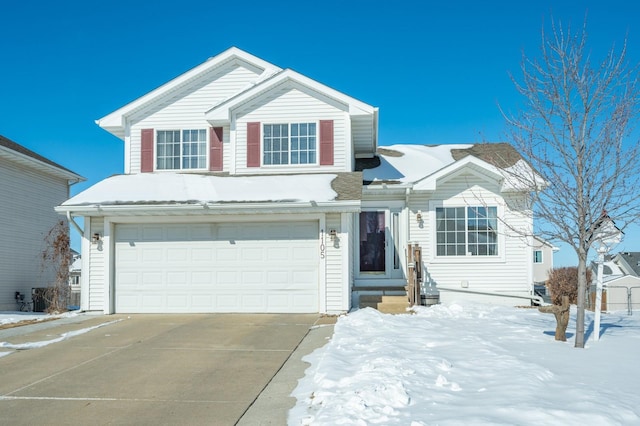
pixel 39 301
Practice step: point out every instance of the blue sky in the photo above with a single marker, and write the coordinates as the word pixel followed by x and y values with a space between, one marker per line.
pixel 437 70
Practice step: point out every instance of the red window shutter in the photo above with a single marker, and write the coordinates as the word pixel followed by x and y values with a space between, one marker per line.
pixel 146 150
pixel 326 142
pixel 253 144
pixel 215 149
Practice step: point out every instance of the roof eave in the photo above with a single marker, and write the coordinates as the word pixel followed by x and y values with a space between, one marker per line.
pixel 42 166
pixel 221 112
pixel 171 209
pixel 115 122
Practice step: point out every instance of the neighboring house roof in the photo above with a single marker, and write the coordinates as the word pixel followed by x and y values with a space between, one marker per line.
pixel 422 166
pixel 629 262
pixel 544 242
pixel 189 190
pixel 76 266
pixel 22 155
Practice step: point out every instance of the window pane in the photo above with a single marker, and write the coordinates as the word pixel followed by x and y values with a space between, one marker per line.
pixel 167 149
pixel 193 150
pixel 304 142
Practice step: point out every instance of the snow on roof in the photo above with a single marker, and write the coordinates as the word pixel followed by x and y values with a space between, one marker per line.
pixel 167 188
pixel 406 164
pixel 410 163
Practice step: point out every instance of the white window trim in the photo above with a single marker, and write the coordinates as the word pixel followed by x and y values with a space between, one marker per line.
pixel 541 256
pixel 434 258
pixel 181 129
pixel 289 123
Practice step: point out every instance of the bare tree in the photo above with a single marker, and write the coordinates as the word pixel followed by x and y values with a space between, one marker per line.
pixel 575 130
pixel 57 255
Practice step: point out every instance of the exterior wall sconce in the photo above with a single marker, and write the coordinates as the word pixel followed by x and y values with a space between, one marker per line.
pixel 419 216
pixel 332 234
pixel 95 238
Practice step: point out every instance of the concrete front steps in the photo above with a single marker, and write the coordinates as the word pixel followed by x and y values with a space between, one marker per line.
pixel 386 304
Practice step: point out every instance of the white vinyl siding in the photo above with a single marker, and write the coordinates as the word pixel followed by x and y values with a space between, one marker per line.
pixel 508 272
pixel 187 111
pixel 362 134
pixel 95 268
pixel 293 106
pixel 26 217
pixel 335 259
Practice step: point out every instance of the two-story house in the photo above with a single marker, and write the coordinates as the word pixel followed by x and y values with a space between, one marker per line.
pixel 251 188
pixel 30 187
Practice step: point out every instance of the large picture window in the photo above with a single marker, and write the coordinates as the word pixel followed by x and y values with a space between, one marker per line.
pixel 293 143
pixel 181 149
pixel 462 231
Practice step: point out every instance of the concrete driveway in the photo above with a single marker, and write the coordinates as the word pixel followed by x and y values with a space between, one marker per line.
pixel 157 369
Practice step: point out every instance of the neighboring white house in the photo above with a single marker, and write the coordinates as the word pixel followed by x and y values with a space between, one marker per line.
pixel 30 187
pixel 621 281
pixel 542 252
pixel 251 188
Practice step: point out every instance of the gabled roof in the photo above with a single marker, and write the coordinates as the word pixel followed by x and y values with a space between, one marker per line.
pixel 287 78
pixel 115 122
pixel 22 155
pixel 500 154
pixel 544 242
pixel 423 166
pixel 629 262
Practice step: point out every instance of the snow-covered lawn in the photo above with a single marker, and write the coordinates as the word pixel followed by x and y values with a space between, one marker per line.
pixel 470 364
pixel 16 317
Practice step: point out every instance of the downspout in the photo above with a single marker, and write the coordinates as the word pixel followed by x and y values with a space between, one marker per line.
pixel 75 225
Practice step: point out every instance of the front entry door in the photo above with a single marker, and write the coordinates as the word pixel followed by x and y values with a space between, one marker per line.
pixel 378 238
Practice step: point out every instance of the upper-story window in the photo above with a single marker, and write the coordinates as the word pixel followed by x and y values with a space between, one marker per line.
pixel 181 149
pixel 293 143
pixel 462 231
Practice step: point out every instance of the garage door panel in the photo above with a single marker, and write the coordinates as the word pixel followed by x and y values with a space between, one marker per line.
pixel 260 267
pixel 226 254
pixel 251 279
pixel 176 255
pixel 202 254
pixel 150 254
pixel 252 254
pixel 177 278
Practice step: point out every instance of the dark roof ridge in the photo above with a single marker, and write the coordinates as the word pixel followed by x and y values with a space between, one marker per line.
pixel 14 146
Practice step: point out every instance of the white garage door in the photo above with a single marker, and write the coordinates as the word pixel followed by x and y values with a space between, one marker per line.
pixel 235 267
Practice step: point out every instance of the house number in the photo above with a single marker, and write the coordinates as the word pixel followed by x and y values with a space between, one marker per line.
pixel 322 244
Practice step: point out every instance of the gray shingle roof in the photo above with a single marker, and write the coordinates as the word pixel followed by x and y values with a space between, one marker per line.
pixel 8 143
pixel 501 154
pixel 348 186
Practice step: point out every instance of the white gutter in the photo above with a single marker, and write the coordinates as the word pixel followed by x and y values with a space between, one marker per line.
pixel 210 208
